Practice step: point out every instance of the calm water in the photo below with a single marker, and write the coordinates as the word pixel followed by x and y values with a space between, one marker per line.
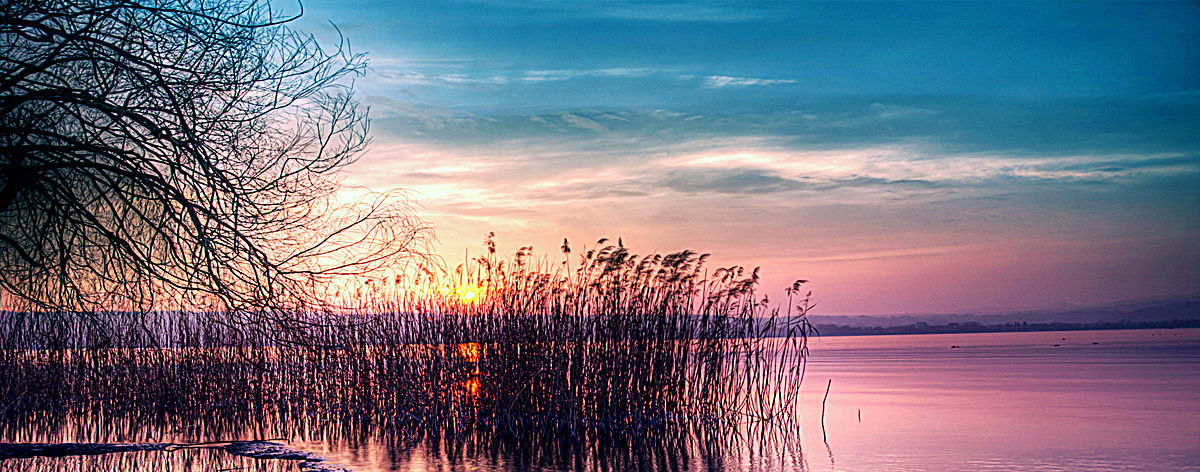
pixel 1053 401
pixel 1007 401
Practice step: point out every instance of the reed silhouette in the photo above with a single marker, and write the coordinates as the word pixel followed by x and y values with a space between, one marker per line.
pixel 623 344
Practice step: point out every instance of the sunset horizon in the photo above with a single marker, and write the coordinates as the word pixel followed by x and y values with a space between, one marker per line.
pixel 903 158
pixel 599 236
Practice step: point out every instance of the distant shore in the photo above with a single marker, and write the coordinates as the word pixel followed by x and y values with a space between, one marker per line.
pixel 970 327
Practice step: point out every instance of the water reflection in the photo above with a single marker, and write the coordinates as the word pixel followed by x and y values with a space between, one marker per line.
pixel 470 352
pixel 1003 401
pixel 181 460
pixel 373 443
pixel 364 446
pixel 1101 400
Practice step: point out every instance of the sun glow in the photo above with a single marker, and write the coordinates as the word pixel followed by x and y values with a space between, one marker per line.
pixel 468 294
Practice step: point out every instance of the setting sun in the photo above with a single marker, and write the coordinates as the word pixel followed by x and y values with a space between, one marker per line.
pixel 467 293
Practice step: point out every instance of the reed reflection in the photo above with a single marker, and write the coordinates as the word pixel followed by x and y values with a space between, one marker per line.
pixel 182 460
pixel 387 448
pixel 652 349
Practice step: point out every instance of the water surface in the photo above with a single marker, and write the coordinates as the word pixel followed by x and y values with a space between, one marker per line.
pixel 1047 401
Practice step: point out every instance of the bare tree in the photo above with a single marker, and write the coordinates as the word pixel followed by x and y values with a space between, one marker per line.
pixel 179 153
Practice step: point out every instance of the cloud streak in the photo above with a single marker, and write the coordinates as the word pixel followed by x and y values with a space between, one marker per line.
pixel 718 81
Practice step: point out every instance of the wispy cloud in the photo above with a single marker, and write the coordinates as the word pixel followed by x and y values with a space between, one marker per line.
pixel 733 180
pixel 926 164
pixel 717 81
pixel 569 74
pixel 410 77
pixel 582 122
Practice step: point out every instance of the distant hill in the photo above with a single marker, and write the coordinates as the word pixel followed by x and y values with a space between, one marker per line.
pixel 1141 311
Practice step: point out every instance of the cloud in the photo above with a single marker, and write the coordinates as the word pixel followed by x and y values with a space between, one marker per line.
pixel 812 151
pixel 395 71
pixel 742 181
pixel 583 122
pixel 867 152
pixel 925 166
pixel 717 81
pixel 960 126
pixel 890 111
pixel 559 75
pixel 413 77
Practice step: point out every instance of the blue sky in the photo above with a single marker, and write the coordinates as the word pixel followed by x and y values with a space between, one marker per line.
pixel 906 157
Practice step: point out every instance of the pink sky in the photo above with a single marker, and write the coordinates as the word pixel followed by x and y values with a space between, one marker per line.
pixel 949 248
pixel 906 158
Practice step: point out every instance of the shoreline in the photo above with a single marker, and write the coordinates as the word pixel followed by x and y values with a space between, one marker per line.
pixel 1023 327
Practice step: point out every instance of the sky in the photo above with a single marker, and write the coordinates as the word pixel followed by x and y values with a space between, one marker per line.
pixel 903 157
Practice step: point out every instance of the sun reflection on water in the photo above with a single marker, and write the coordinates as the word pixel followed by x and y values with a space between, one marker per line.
pixel 470 351
pixel 471 387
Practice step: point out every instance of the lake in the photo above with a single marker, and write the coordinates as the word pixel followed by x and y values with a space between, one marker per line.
pixel 1047 401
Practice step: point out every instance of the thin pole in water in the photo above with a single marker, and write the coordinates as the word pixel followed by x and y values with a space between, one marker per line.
pixel 830 384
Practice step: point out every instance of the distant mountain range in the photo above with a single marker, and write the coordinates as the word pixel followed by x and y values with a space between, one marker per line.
pixel 1145 311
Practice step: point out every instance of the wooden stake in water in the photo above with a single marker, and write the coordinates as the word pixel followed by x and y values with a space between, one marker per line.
pixel 830 384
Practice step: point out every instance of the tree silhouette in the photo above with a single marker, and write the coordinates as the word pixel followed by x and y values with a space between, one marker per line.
pixel 179 153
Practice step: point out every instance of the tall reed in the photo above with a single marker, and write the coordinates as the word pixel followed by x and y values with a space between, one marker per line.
pixel 607 343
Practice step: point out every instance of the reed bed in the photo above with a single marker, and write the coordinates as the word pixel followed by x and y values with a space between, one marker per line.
pixel 606 343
